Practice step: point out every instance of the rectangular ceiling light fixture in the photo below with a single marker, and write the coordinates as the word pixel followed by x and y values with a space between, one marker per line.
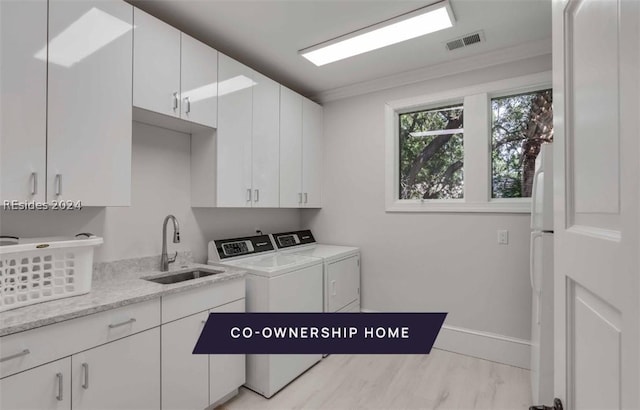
pixel 405 27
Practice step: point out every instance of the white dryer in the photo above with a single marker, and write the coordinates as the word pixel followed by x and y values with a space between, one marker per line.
pixel 276 282
pixel 341 273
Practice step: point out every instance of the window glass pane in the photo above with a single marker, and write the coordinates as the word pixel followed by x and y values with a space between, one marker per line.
pixel 431 153
pixel 520 124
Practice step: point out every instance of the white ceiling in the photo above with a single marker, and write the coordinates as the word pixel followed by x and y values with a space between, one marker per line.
pixel 267 34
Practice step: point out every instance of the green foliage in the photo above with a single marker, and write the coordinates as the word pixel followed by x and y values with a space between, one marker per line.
pixel 431 166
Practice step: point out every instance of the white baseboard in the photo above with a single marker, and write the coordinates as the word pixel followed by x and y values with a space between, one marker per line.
pixel 484 345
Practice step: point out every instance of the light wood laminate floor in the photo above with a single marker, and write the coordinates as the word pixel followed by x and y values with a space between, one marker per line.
pixel 440 380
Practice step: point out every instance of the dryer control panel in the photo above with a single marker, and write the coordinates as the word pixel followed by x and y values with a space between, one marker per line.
pixel 288 239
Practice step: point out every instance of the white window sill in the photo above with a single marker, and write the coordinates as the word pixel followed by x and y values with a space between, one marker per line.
pixel 496 206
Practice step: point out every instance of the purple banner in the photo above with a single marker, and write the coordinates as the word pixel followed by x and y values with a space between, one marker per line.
pixel 322 333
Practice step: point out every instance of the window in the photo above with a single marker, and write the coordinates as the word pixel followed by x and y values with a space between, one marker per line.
pixel 431 153
pixel 467 150
pixel 520 124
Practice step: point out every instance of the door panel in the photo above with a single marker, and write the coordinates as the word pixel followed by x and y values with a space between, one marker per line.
pixel 23 105
pixel 199 82
pixel 185 376
pixel 89 102
pixel 311 154
pixel 124 374
pixel 265 142
pixel 235 96
pixel 290 148
pixel 595 82
pixel 343 283
pixel 227 371
pixel 156 65
pixel 44 387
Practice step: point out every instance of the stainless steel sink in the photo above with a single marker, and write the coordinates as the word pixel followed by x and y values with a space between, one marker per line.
pixel 181 276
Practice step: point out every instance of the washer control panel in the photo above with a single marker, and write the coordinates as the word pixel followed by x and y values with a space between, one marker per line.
pixel 230 248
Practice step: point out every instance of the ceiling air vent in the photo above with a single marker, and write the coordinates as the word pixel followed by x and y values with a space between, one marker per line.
pixel 465 41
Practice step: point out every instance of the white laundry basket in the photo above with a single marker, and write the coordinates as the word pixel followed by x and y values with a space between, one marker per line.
pixel 35 270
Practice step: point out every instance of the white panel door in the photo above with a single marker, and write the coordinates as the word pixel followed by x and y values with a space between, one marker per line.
pixel 185 376
pixel 44 387
pixel 23 104
pixel 343 283
pixel 290 148
pixel 156 65
pixel 595 84
pixel 265 142
pixel 89 102
pixel 227 371
pixel 199 82
pixel 311 154
pixel 235 96
pixel 124 374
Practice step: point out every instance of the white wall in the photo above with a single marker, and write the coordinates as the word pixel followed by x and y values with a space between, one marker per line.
pixel 421 261
pixel 160 186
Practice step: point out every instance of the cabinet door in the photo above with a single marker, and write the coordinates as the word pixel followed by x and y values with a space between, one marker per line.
pixel 343 283
pixel 44 387
pixel 235 95
pixel 124 374
pixel 311 154
pixel 290 148
pixel 185 376
pixel 89 102
pixel 227 370
pixel 156 65
pixel 23 104
pixel 199 82
pixel 265 142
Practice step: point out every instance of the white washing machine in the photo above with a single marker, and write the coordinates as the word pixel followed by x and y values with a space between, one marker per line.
pixel 341 268
pixel 276 282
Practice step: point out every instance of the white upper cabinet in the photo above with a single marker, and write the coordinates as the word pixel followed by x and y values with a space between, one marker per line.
pixel 300 151
pixel 199 82
pixel 23 104
pixel 290 148
pixel 89 102
pixel 265 142
pixel 311 154
pixel 235 110
pixel 156 65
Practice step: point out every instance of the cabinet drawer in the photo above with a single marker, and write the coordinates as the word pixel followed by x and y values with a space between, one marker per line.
pixel 183 304
pixel 52 342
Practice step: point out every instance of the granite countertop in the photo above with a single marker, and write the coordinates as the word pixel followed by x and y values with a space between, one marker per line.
pixel 114 285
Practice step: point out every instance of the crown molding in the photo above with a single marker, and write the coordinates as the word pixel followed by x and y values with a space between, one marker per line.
pixel 458 66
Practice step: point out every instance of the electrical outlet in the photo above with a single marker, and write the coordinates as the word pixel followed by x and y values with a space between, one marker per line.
pixel 503 237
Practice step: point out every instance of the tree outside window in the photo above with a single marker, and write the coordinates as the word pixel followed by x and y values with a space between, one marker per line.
pixel 431 153
pixel 520 124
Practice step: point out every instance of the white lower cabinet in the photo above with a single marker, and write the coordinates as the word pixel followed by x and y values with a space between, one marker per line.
pixel 185 376
pixel 227 371
pixel 124 374
pixel 44 387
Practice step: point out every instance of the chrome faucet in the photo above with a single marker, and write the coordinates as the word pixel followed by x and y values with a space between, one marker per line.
pixel 165 261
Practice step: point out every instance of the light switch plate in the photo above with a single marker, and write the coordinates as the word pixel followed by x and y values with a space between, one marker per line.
pixel 503 237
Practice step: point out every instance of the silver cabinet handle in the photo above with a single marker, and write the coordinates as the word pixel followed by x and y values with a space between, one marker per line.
pixel 126 322
pixel 333 288
pixel 306 197
pixel 85 376
pixel 248 194
pixel 34 183
pixel 188 109
pixel 299 197
pixel 256 195
pixel 58 183
pixel 60 390
pixel 15 356
pixel 175 101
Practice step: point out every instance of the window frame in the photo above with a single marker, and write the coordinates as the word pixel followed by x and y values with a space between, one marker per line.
pixel 477 144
